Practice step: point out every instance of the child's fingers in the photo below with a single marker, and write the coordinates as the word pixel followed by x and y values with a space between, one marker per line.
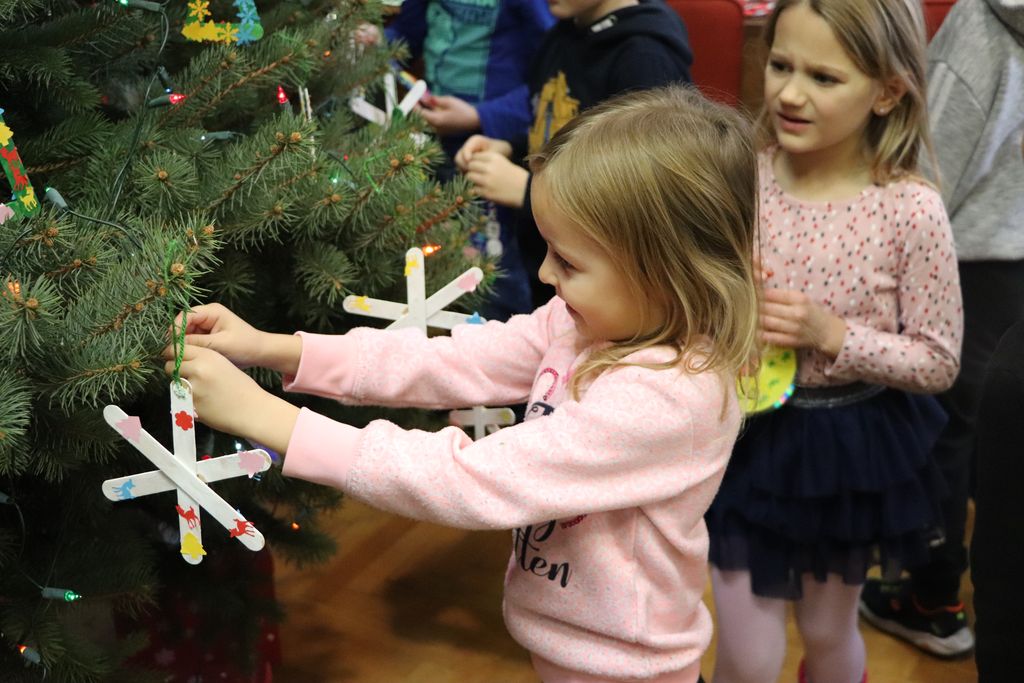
pixel 431 117
pixel 784 296
pixel 771 323
pixel 478 179
pixel 780 340
pixel 204 317
pixel 462 158
pixel 201 340
pixel 473 146
pixel 490 158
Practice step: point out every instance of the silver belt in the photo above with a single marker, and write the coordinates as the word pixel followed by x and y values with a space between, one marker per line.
pixel 833 397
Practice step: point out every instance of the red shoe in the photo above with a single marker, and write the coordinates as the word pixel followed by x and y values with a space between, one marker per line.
pixel 801 674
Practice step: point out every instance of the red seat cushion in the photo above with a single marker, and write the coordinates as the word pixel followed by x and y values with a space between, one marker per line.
pixel 715 28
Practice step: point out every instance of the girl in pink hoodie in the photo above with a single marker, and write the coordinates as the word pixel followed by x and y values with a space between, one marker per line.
pixel 647 205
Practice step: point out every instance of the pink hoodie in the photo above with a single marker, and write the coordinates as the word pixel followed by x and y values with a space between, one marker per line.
pixel 606 494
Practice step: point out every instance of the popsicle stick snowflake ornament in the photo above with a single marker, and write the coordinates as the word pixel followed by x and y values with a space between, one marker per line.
pixel 179 471
pixel 421 311
pixel 382 117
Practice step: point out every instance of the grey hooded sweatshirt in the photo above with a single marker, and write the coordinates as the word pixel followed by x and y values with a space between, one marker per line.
pixel 976 98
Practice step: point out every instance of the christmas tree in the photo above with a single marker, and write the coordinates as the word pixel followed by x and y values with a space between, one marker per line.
pixel 159 155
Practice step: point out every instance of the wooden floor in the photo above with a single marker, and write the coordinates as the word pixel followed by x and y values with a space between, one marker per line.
pixel 409 602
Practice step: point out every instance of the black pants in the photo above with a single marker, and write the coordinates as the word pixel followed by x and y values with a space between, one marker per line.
pixel 993 294
pixel 997 547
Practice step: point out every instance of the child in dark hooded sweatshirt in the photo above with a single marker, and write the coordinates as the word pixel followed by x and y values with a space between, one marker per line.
pixel 598 48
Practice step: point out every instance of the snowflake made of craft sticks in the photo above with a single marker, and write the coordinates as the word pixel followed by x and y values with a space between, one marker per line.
pixel 181 472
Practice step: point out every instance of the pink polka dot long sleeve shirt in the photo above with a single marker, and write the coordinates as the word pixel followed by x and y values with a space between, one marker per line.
pixel 884 262
pixel 606 493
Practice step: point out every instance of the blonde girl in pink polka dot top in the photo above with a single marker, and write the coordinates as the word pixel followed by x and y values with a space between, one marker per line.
pixel 859 276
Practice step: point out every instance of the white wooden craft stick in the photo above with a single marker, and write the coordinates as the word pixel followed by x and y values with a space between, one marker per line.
pixel 412 97
pixel 463 284
pixel 416 289
pixel 374 308
pixel 390 310
pixel 481 418
pixel 184 479
pixel 360 106
pixel 211 470
pixel 446 320
pixel 190 521
pixel 390 95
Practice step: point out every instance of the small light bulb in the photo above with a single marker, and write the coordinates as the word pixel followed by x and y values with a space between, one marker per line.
pixel 177 98
pixel 64 594
pixel 295 526
pixel 282 96
pixel 431 249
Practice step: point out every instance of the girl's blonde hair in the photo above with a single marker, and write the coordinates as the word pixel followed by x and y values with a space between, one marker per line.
pixel 886 40
pixel 665 182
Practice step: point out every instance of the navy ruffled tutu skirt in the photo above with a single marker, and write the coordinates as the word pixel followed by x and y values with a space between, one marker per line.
pixel 830 491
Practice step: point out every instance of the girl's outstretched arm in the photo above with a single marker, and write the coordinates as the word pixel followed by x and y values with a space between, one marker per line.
pixel 490 364
pixel 638 436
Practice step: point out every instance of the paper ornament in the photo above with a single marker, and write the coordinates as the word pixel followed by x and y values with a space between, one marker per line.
pixel 179 471
pixel 773 384
pixel 198 28
pixel 23 202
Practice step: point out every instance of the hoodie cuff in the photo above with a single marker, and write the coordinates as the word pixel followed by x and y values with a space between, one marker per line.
pixel 321 450
pixel 327 366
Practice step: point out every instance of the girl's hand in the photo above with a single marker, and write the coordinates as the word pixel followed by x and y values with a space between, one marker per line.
pixel 228 400
pixel 449 115
pixel 497 179
pixel 480 143
pixel 791 319
pixel 215 327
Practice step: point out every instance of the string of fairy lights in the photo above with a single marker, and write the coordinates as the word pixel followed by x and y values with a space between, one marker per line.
pixel 48 594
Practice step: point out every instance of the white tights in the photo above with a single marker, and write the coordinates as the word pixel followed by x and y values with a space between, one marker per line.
pixel 752 631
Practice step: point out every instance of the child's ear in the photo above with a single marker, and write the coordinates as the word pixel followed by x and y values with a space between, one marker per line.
pixel 890 95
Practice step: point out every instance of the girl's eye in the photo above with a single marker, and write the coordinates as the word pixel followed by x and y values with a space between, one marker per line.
pixel 825 79
pixel 563 263
pixel 776 65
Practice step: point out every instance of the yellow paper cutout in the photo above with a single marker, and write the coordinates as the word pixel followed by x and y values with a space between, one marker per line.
pixel 410 263
pixel 28 198
pixel 191 546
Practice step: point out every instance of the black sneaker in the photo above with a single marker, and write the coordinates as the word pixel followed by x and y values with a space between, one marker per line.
pixel 890 607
